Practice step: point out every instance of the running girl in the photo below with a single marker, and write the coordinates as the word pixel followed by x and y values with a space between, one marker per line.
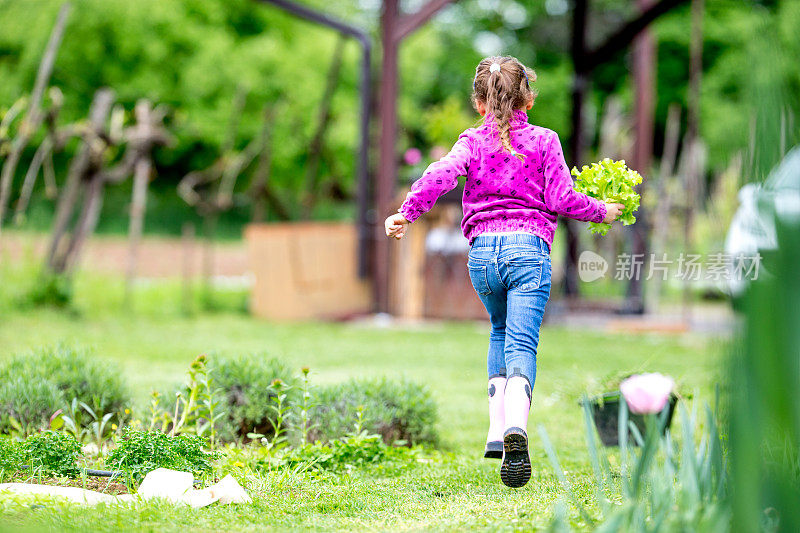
pixel 517 183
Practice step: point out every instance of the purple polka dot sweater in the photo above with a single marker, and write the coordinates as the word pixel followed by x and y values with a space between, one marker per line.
pixel 503 192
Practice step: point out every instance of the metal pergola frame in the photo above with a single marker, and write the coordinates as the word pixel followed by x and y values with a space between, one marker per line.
pixel 365 90
pixel 395 27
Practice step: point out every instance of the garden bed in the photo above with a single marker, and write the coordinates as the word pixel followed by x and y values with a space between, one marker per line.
pixel 104 485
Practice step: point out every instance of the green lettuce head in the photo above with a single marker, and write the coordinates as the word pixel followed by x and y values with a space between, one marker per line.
pixel 612 182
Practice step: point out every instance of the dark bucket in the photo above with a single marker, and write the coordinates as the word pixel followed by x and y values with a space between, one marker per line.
pixel 605 411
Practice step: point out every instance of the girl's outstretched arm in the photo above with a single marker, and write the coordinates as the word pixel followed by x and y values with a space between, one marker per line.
pixel 559 195
pixel 439 178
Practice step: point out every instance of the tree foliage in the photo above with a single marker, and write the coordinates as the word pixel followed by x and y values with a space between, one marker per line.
pixel 194 55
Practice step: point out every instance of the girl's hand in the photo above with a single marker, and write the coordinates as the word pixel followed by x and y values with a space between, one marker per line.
pixel 396 226
pixel 612 212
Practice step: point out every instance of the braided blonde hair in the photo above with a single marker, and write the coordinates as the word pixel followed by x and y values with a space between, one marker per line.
pixel 502 92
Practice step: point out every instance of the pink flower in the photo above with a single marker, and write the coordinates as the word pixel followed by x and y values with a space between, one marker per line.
pixel 412 156
pixel 438 152
pixel 647 393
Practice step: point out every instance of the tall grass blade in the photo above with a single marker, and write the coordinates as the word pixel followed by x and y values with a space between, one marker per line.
pixel 562 478
pixel 622 431
pixel 591 443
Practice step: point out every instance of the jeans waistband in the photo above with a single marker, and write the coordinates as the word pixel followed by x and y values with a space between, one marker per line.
pixel 492 241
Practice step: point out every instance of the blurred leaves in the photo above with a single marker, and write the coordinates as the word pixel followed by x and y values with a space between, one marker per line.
pixel 193 55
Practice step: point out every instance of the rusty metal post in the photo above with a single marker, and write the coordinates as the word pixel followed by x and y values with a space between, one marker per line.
pixel 387 169
pixel 394 28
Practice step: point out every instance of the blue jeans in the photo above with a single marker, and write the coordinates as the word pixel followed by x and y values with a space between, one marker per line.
pixel 512 274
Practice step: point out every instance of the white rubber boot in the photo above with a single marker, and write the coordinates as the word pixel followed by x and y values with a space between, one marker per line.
pixel 494 439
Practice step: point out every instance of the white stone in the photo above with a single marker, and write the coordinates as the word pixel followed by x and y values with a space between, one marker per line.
pixel 229 491
pixel 166 484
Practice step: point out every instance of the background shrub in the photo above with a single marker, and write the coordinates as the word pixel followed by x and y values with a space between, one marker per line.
pixel 50 290
pixel 27 382
pixel 26 403
pixel 51 453
pixel 246 393
pixel 397 410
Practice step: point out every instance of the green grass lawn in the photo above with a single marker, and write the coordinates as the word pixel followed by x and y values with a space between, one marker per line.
pixel 456 491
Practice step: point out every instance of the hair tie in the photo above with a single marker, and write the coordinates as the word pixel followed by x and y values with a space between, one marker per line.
pixel 494 68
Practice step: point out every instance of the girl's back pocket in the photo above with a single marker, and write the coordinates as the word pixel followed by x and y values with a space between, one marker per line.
pixel 525 272
pixel 478 277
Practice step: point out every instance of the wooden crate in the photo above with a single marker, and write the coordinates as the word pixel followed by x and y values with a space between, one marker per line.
pixel 426 284
pixel 306 270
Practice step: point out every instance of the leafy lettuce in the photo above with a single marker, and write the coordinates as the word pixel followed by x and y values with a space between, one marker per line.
pixel 610 181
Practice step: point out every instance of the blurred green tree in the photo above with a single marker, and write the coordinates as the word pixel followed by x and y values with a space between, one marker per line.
pixel 193 55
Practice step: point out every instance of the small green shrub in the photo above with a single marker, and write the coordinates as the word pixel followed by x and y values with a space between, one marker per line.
pixel 397 410
pixel 247 394
pixel 359 449
pixel 140 452
pixel 50 290
pixel 73 373
pixel 10 457
pixel 27 403
pixel 355 451
pixel 51 453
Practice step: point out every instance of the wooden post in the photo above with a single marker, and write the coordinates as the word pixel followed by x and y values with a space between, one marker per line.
pixel 90 213
pixel 141 177
pixel 209 234
pixel 187 245
pixel 55 140
pixel 643 70
pixel 33 116
pixel 79 168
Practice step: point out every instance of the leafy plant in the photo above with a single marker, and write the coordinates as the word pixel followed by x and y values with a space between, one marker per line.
pixel 208 404
pixel 224 400
pixel 610 181
pixel 282 416
pixel 140 452
pixel 355 451
pixel 195 405
pixel 305 406
pixel 96 431
pixel 397 410
pixel 10 457
pixel 51 453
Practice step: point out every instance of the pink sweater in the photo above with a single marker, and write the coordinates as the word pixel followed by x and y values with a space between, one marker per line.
pixel 502 192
